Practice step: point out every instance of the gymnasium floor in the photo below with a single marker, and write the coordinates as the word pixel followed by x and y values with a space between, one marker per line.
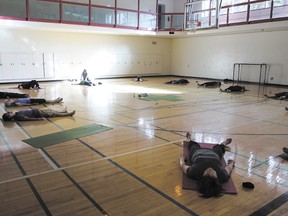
pixel 133 168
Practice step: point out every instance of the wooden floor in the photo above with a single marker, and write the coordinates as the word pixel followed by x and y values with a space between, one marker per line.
pixel 133 169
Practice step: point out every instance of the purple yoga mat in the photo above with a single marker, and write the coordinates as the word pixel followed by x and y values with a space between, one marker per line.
pixel 188 183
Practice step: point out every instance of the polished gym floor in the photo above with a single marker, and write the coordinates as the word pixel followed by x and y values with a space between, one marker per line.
pixel 133 168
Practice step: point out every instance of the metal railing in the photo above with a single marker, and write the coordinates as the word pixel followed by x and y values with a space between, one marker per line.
pixel 55 11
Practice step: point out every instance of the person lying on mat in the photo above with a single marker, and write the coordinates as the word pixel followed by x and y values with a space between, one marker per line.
pixel 209 84
pixel 35 114
pixel 33 84
pixel 235 88
pixel 30 101
pixel 204 165
pixel 12 95
pixel 180 81
pixel 279 96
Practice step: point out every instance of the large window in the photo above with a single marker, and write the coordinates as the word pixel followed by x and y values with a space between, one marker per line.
pixel 126 18
pixel 144 14
pixel 75 13
pixel 128 4
pixel 103 16
pixel 280 8
pixel 106 3
pixel 44 10
pixel 260 11
pixel 13 8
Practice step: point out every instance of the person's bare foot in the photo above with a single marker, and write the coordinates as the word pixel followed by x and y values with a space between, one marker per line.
pixel 181 162
pixel 188 136
pixel 58 100
pixel 227 141
pixel 72 113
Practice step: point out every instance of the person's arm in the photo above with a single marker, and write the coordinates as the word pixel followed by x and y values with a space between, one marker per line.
pixel 183 166
pixel 33 119
pixel 16 103
pixel 284 96
pixel 230 166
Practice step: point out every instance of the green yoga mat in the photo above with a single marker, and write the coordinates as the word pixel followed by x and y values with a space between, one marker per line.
pixel 156 97
pixel 63 136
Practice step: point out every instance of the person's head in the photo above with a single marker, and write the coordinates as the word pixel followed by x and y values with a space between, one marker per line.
pixel 34 84
pixel 8 102
pixel 209 185
pixel 8 116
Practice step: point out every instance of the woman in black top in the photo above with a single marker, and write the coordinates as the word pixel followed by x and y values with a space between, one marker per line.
pixel 204 165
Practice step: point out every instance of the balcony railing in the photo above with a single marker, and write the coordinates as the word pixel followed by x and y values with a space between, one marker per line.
pixel 55 11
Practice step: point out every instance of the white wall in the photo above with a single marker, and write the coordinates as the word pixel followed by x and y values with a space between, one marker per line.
pixel 213 56
pixel 103 55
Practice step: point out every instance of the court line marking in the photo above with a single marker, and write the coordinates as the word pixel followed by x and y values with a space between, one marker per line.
pixel 48 160
pixel 88 162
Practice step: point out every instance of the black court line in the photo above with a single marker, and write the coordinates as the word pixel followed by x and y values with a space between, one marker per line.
pixel 65 173
pixel 271 206
pixel 77 185
pixel 142 181
pixel 29 182
pixel 263 211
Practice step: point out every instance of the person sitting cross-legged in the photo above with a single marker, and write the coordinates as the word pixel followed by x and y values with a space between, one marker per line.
pixel 85 80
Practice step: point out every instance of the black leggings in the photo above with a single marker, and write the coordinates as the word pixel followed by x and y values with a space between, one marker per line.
pixel 219 149
pixel 37 100
pixel 12 95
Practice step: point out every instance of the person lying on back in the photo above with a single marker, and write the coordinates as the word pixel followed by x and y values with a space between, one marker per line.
pixel 180 81
pixel 235 88
pixel 209 84
pixel 204 165
pixel 30 101
pixel 12 95
pixel 35 114
pixel 279 96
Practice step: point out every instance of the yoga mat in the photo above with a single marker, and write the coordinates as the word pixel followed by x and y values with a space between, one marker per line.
pixel 154 97
pixel 63 136
pixel 188 183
